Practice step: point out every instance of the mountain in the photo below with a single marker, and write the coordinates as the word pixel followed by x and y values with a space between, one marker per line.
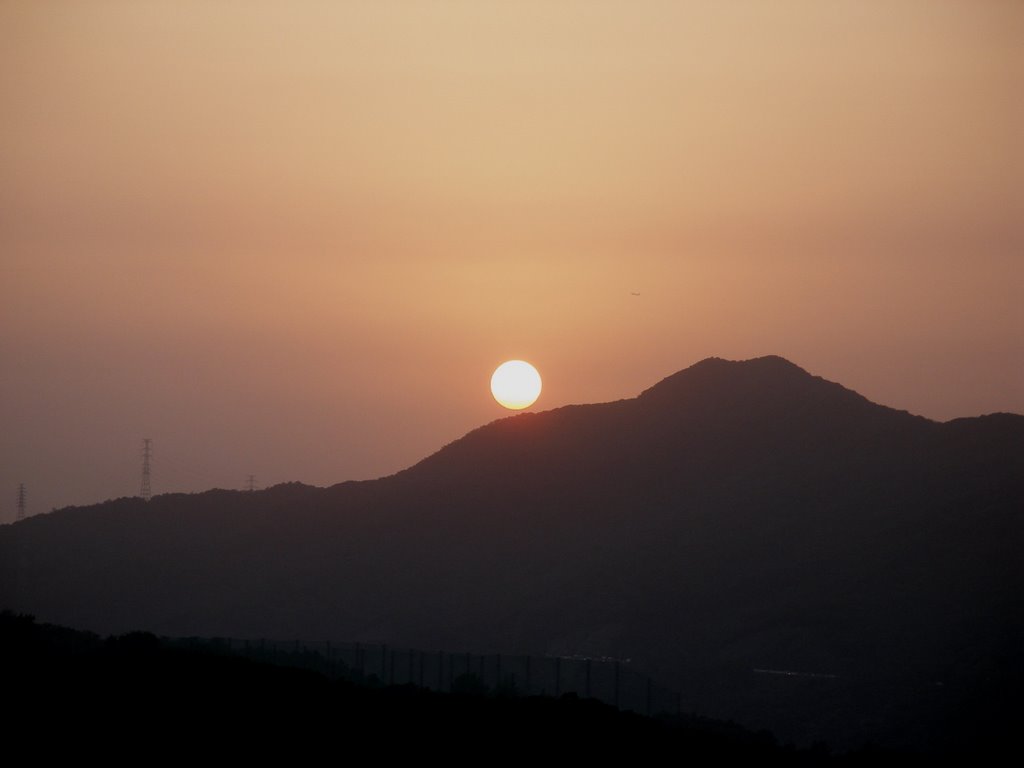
pixel 736 516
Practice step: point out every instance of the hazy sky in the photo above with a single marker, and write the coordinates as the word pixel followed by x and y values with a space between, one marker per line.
pixel 294 239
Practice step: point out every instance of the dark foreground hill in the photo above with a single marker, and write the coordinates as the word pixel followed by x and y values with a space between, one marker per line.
pixel 138 697
pixel 736 521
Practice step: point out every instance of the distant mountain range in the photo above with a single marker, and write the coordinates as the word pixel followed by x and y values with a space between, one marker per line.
pixel 736 521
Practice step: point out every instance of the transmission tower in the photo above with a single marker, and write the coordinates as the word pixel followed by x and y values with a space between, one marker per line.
pixel 147 454
pixel 250 483
pixel 21 501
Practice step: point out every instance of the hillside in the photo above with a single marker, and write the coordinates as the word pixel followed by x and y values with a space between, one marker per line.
pixel 736 516
pixel 181 695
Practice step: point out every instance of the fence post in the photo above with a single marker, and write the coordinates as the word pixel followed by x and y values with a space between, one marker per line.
pixel 588 677
pixel 558 676
pixel 527 674
pixel 616 683
pixel 648 697
pixel 383 663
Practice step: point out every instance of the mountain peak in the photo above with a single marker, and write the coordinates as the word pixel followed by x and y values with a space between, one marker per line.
pixel 717 371
pixel 769 386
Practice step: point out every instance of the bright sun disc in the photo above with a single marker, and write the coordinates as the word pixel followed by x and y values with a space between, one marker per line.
pixel 516 384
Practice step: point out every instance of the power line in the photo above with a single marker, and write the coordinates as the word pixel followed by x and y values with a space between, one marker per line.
pixel 250 482
pixel 21 501
pixel 147 453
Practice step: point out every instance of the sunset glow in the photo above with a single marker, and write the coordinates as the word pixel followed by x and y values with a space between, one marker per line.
pixel 244 229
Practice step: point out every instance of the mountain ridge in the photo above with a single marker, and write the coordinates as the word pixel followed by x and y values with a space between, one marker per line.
pixel 745 515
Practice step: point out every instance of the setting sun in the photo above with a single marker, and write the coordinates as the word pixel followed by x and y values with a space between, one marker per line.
pixel 515 384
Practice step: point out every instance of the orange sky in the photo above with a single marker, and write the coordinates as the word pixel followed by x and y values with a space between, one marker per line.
pixel 294 239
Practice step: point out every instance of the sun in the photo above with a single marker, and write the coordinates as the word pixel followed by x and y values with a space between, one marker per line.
pixel 515 384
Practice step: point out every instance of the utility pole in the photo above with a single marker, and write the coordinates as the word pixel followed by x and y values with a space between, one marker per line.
pixel 147 453
pixel 21 502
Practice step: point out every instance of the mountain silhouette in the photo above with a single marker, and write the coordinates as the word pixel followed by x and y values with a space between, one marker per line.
pixel 734 524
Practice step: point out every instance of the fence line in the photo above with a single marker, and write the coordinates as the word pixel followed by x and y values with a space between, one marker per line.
pixel 612 681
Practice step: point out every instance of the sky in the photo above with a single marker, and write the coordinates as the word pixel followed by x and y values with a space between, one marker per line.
pixel 295 239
